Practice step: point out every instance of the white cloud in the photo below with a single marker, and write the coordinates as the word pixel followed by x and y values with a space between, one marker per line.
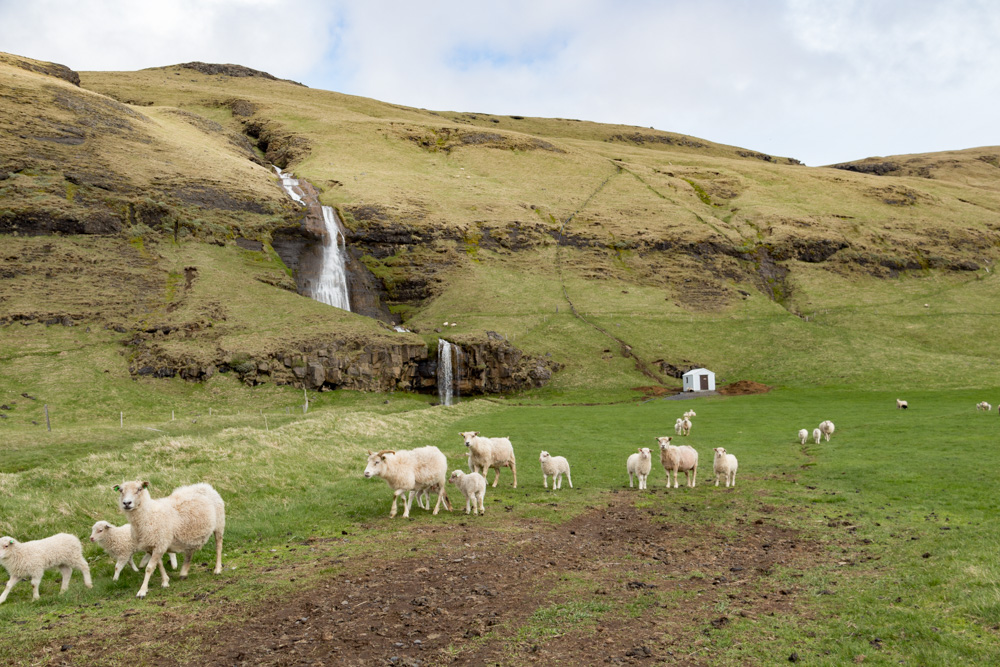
pixel 813 79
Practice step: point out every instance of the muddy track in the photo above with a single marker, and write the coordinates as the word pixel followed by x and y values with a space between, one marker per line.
pixel 616 584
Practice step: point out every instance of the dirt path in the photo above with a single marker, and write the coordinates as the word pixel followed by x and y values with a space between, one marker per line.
pixel 615 585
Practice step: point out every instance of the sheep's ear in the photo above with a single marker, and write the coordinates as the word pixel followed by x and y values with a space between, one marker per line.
pixel 145 485
pixel 475 433
pixel 117 488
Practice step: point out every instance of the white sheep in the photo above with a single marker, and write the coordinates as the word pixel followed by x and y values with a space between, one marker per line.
pixel 29 560
pixel 639 464
pixel 411 472
pixel 489 453
pixel 473 487
pixel 725 465
pixel 984 406
pixel 679 425
pixel 181 522
pixel 557 466
pixel 901 404
pixel 817 435
pixel 686 427
pixel 827 428
pixel 803 435
pixel 117 542
pixel 689 414
pixel 678 459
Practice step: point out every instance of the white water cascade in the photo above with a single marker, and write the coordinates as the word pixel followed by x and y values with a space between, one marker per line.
pixel 447 381
pixel 330 284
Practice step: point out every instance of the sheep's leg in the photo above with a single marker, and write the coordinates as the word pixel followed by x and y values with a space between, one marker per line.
pixel 468 502
pixel 513 470
pixel 569 479
pixel 218 552
pixel 734 478
pixel 545 480
pixel 442 497
pixel 557 481
pixel 630 479
pixel 185 566
pixel 173 560
pixel 495 479
pixel 481 496
pixel 67 573
pixel 118 568
pixel 131 561
pixel 694 476
pixel 145 559
pixel 10 584
pixel 34 586
pixel 406 506
pixel 395 497
pixel 154 558
pixel 85 571
pixel 675 478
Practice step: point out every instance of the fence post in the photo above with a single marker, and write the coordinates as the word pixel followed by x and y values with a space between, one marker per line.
pixel 305 406
pixel 47 424
pixel 121 417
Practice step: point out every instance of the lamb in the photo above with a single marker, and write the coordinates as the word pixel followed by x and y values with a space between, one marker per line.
pixel 29 560
pixel 803 435
pixel 725 465
pixel 984 406
pixel 678 459
pixel 411 472
pixel 639 464
pixel 827 428
pixel 489 453
pixel 686 427
pixel 689 414
pixel 117 541
pixel 473 486
pixel 181 522
pixel 817 435
pixel 556 466
pixel 679 425
pixel 901 404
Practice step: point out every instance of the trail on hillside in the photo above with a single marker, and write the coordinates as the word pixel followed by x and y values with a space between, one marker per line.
pixel 624 348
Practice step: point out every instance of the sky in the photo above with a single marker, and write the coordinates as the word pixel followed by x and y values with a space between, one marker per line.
pixel 823 81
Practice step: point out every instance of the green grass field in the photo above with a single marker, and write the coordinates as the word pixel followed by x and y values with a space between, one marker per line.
pixel 890 487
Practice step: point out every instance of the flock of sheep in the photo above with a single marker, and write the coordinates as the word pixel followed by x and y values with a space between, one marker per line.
pixel 180 523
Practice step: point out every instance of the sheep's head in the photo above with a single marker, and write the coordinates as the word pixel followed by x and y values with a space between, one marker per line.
pixel 544 455
pixel 664 441
pixel 98 530
pixel 468 436
pixel 6 542
pixel 130 494
pixel 720 451
pixel 377 463
pixel 455 476
pixel 644 453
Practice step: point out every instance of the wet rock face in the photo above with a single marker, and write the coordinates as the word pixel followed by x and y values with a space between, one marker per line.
pixel 488 366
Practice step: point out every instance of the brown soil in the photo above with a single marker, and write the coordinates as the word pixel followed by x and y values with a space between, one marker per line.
pixel 743 388
pixel 648 585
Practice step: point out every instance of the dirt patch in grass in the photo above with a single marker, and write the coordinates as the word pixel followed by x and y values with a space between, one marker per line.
pixel 744 388
pixel 615 584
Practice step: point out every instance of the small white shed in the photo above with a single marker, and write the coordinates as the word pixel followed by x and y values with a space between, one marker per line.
pixel 699 379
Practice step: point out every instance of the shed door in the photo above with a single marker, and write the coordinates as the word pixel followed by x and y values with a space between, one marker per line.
pixel 704 382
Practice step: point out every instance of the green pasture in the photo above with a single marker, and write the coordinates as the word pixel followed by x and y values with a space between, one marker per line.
pixel 894 485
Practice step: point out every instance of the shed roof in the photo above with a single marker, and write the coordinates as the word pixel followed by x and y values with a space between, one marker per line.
pixel 698 371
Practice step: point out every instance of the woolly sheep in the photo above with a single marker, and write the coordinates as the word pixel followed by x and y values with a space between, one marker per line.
pixel 29 560
pixel 984 406
pixel 803 435
pixel 827 428
pixel 639 464
pixel 181 522
pixel 411 472
pixel 473 487
pixel 686 427
pixel 817 435
pixel 489 453
pixel 901 404
pixel 117 542
pixel 679 425
pixel 725 465
pixel 557 466
pixel 689 414
pixel 678 459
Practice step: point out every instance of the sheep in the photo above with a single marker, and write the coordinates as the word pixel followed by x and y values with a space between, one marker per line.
pixel 639 464
pixel 556 466
pixel 473 486
pixel 725 465
pixel 678 459
pixel 411 472
pixel 817 435
pixel 29 560
pixel 117 541
pixel 689 414
pixel 803 436
pixel 984 406
pixel 901 404
pixel 686 427
pixel 827 428
pixel 181 522
pixel 679 425
pixel 490 453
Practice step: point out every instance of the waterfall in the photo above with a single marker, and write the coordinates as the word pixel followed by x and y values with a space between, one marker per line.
pixel 445 378
pixel 330 284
